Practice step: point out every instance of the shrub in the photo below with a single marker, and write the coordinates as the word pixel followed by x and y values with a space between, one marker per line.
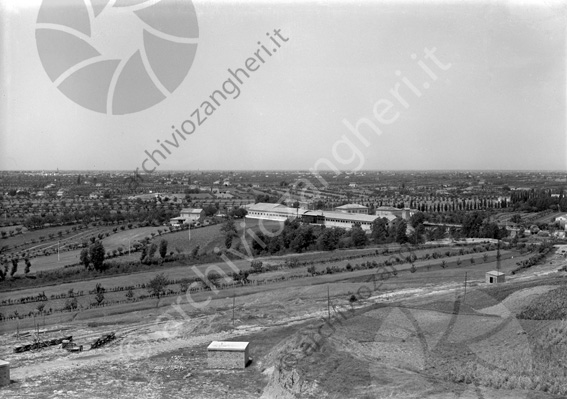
pixel 71 304
pixel 99 297
pixel 256 266
pixel 156 286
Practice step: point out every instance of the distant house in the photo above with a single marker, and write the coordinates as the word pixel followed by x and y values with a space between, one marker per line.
pixel 562 221
pixel 188 216
pixel 61 193
pixel 192 215
pixel 386 211
pixel 495 277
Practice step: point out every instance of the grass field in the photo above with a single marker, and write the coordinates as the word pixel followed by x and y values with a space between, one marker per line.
pixel 113 241
pixel 421 278
pixel 550 306
pixel 207 238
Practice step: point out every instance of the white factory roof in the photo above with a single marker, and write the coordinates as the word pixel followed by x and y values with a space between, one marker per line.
pixel 355 217
pixel 495 273
pixel 268 207
pixel 351 206
pixel 227 346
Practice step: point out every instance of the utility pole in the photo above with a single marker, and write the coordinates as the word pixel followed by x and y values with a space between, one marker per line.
pixel 328 303
pixel 465 296
pixel 498 257
pixel 58 258
pixel 233 300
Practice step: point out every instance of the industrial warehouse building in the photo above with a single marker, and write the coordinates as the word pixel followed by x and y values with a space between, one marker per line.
pixel 339 219
pixel 228 355
pixel 352 208
pixel 345 220
pixel 275 212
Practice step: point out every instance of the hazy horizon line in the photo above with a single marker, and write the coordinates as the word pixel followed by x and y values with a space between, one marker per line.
pixel 285 170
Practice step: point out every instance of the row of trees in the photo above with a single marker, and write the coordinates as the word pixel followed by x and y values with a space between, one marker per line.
pixel 93 256
pixel 297 237
pixel 384 232
pixel 14 261
pixel 538 200
pixel 148 251
pixel 476 224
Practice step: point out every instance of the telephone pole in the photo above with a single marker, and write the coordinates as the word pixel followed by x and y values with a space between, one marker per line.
pixel 328 303
pixel 498 257
pixel 465 296
pixel 233 300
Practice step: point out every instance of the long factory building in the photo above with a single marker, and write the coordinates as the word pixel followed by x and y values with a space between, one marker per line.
pixel 279 212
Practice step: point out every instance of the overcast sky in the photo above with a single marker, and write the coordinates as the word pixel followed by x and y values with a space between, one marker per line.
pixel 490 96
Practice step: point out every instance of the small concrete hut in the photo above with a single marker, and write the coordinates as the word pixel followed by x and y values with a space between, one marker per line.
pixel 228 355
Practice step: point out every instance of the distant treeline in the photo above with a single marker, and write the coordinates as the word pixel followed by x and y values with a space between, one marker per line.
pixel 538 200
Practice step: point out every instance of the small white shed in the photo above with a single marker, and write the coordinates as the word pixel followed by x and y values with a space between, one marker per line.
pixel 494 277
pixel 4 373
pixel 228 355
